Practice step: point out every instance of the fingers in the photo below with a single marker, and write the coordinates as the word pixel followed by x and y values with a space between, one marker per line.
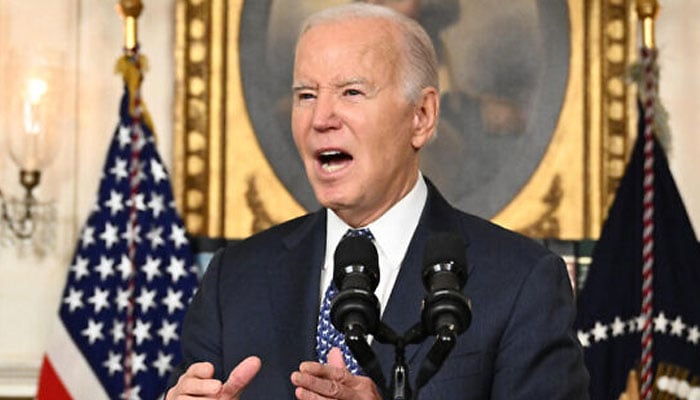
pixel 335 369
pixel 313 387
pixel 335 358
pixel 196 381
pixel 315 381
pixel 202 370
pixel 241 376
pixel 348 387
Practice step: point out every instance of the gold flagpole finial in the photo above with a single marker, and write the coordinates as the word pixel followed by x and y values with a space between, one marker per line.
pixel 130 11
pixel 647 11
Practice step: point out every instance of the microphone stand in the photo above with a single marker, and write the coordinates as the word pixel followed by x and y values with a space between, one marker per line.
pixel 445 312
pixel 400 386
pixel 363 353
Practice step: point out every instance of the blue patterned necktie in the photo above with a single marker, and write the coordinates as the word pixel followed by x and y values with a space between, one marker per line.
pixel 327 336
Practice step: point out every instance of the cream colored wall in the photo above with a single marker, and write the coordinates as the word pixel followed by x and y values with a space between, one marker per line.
pixel 678 40
pixel 90 33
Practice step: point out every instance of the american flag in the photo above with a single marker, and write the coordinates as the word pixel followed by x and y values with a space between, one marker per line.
pixel 130 280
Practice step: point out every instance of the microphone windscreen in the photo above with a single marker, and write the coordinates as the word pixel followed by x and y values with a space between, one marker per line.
pixel 355 250
pixel 443 248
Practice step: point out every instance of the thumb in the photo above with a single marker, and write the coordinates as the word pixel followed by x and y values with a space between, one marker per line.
pixel 335 358
pixel 240 377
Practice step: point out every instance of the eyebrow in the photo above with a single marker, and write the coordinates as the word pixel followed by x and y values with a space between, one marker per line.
pixel 353 81
pixel 348 82
pixel 302 86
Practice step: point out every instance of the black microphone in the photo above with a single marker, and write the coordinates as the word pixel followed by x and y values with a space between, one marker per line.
pixel 356 275
pixel 355 309
pixel 446 312
pixel 444 276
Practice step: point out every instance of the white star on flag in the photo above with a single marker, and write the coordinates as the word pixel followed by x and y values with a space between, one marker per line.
pixel 660 323
pixel 74 299
pixel 99 299
pixel 156 205
pixel 80 268
pixel 115 202
pixel 162 364
pixel 158 171
pixel 119 170
pixel 113 363
pixel 168 332
pixel 124 136
pixel 677 327
pixel 110 235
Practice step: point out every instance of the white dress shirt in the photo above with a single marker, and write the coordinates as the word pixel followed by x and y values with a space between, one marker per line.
pixel 392 233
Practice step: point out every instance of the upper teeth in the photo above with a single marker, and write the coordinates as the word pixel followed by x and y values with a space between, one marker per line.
pixel 330 153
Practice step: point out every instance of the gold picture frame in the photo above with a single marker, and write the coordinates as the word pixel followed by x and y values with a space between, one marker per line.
pixel 226 186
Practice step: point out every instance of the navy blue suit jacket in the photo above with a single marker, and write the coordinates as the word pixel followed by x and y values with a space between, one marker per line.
pixel 261 297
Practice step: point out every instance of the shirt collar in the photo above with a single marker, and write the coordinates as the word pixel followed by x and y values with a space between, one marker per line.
pixel 392 231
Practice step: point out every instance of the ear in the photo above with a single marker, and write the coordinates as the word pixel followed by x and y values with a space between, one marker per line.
pixel 425 117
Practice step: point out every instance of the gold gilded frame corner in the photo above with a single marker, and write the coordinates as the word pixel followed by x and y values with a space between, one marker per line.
pixel 226 187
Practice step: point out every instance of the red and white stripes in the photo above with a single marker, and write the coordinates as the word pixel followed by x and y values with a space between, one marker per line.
pixel 135 175
pixel 648 98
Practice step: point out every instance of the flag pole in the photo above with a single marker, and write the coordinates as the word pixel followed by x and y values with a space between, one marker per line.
pixel 132 69
pixel 130 10
pixel 647 11
pixel 133 64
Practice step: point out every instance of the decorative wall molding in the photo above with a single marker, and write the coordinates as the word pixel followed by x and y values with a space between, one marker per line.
pixel 18 380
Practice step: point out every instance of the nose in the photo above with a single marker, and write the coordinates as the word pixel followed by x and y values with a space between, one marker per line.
pixel 325 116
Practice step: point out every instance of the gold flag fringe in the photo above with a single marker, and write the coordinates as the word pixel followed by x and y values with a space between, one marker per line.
pixel 132 73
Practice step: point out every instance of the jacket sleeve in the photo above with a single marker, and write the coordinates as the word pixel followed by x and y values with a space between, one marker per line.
pixel 201 331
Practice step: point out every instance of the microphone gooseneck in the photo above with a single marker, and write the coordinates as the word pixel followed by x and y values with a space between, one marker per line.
pixel 444 276
pixel 446 312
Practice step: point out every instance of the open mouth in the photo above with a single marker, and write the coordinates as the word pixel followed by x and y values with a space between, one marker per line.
pixel 333 160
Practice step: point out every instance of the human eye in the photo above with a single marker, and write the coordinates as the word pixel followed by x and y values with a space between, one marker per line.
pixel 352 92
pixel 304 96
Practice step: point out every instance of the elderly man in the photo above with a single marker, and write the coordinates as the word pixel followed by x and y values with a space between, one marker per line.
pixel 366 102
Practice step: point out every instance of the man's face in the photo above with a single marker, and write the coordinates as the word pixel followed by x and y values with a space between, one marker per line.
pixel 354 128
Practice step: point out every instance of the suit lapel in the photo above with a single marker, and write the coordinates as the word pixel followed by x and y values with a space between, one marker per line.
pixel 404 305
pixel 294 289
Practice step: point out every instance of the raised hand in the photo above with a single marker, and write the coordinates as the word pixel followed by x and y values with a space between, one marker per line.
pixel 315 381
pixel 198 381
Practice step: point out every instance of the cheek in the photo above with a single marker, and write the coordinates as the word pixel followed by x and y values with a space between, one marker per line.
pixel 396 129
pixel 299 127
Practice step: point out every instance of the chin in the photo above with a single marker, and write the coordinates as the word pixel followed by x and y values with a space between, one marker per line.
pixel 329 196
pixel 331 200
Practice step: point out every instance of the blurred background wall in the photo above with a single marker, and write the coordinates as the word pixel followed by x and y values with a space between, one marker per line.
pixel 88 35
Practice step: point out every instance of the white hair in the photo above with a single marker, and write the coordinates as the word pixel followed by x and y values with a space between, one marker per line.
pixel 420 67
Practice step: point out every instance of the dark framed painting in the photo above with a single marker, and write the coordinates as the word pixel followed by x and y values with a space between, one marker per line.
pixel 535 111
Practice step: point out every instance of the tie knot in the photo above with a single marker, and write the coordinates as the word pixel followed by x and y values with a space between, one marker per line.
pixel 364 232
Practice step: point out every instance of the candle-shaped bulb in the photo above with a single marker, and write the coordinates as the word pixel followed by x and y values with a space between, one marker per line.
pixel 36 89
pixel 33 109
